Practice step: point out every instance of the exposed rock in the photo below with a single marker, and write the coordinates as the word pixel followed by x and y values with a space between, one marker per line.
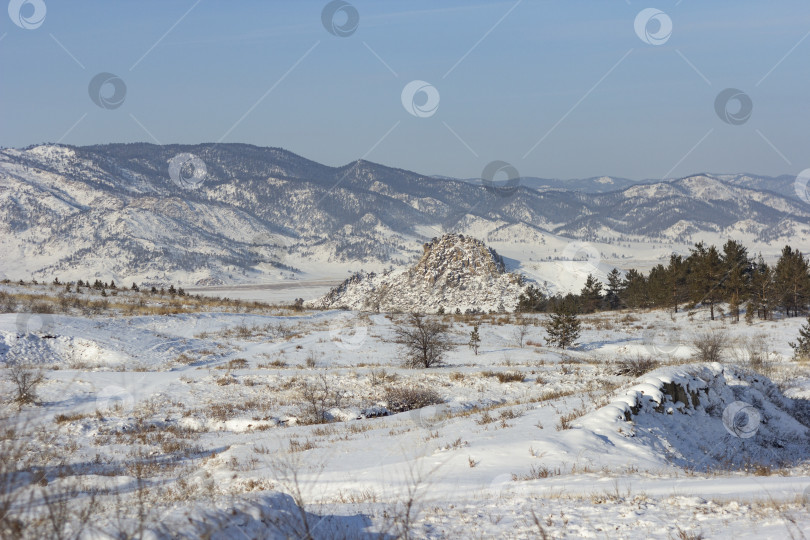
pixel 455 272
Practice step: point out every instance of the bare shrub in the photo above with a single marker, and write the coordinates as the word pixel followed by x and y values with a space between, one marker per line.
pixel 289 469
pixel 25 381
pixel 69 509
pixel 401 516
pixel 24 455
pixel 520 332
pixel 425 341
pixel 318 396
pixel 635 367
pixel 404 398
pixel 753 352
pixel 378 377
pixel 536 472
pixel 709 346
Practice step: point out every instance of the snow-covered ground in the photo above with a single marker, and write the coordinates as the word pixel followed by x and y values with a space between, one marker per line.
pixel 214 408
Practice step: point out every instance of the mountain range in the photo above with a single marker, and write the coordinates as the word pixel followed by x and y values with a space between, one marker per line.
pixel 235 213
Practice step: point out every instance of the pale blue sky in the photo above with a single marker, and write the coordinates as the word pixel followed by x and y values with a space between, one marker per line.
pixel 536 75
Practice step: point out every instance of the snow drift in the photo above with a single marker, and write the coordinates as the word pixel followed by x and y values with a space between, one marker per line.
pixel 709 416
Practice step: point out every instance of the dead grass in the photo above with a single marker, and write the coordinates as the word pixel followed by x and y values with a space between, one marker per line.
pixel 504 376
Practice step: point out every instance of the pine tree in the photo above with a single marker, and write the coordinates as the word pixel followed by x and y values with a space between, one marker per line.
pixel 707 276
pixel 614 289
pixel 801 349
pixel 678 271
pixel 562 327
pixel 763 292
pixel 659 287
pixel 792 277
pixel 737 267
pixel 134 287
pixel 532 299
pixel 475 340
pixel 591 294
pixel 749 312
pixel 634 289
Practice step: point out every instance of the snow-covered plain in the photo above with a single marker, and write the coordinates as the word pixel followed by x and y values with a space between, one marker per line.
pixel 213 404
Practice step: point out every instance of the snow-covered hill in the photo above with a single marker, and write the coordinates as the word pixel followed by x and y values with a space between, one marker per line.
pixel 454 273
pixel 240 214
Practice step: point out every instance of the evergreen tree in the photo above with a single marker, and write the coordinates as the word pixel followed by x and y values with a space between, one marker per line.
pixel 763 291
pixel 134 287
pixel 475 340
pixel 678 273
pixel 659 287
pixel 707 276
pixel 591 294
pixel 532 299
pixel 172 290
pixel 749 312
pixel 634 289
pixel 801 349
pixel 562 327
pixel 614 289
pixel 737 268
pixel 792 277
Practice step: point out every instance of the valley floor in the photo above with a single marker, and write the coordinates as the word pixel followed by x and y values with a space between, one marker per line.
pixel 202 422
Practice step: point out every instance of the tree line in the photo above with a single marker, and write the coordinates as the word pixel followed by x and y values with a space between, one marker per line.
pixel 708 276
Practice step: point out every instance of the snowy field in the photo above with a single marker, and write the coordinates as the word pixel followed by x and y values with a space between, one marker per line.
pixel 206 421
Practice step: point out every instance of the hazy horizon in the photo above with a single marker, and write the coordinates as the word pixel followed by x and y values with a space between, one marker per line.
pixel 555 90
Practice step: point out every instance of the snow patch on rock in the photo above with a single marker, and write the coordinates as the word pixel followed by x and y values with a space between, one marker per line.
pixel 455 272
